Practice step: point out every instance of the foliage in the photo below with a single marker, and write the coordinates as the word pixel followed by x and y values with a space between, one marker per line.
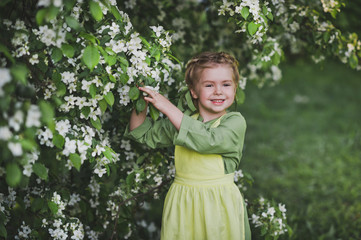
pixel 303 148
pixel 68 77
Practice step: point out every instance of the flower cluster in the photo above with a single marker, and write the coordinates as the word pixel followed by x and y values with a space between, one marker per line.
pixel 85 96
pixel 271 218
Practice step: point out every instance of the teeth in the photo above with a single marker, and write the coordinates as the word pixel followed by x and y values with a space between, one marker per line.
pixel 217 101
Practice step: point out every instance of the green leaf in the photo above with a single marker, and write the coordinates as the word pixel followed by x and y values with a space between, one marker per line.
pixel 123 61
pixel 47 112
pixel 20 73
pixel 56 76
pixel 157 56
pixel 145 42
pixel 75 160
pixel 85 111
pixel 96 11
pixel 147 60
pixel 353 61
pixel 40 170
pixel 46 14
pixel 3 232
pixel 56 55
pixel 134 93
pixel 4 49
pixel 103 105
pixel 245 13
pixel 27 144
pixel 130 179
pixel 116 13
pixel 190 101
pixel 40 16
pixel 154 113
pixel 53 207
pixel 91 57
pixel 240 96
pixel 140 105
pixel 37 204
pixel 264 10
pixel 112 78
pixel 270 16
pixel 252 28
pixel 58 141
pixel 92 90
pixel 141 159
pixel 72 22
pixel 68 50
pixel 110 60
pixel 60 89
pixel 96 123
pixel 333 13
pixel 174 58
pixel 13 174
pixel 109 98
pixel 51 13
pixel 124 78
pixel 276 59
pixel 89 37
pixel 108 154
pixel 69 4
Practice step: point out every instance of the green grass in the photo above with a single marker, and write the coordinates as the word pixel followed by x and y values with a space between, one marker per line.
pixel 303 148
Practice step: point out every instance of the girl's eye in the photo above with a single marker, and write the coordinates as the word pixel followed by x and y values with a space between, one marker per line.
pixel 227 84
pixel 208 85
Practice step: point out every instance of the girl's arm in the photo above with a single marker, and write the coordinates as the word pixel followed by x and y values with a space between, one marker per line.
pixel 160 102
pixel 137 119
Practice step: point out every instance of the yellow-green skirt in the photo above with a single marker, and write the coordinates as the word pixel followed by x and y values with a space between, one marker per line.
pixel 203 203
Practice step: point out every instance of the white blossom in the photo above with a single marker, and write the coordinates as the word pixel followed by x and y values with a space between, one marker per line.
pixel 63 127
pixel 17 120
pixel 5 78
pixel 69 146
pixel 100 171
pixel 68 77
pixel 33 117
pixel 157 30
pixel 15 148
pixel 25 231
pixel 5 133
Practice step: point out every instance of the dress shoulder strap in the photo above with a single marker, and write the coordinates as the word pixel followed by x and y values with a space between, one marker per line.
pixel 215 124
pixel 195 116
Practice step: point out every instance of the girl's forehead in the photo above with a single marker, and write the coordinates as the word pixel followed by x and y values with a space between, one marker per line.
pixel 217 71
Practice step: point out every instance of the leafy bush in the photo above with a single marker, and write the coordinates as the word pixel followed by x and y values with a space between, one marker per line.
pixel 68 80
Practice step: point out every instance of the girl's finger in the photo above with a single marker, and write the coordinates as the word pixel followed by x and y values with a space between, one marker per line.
pixel 148 99
pixel 147 90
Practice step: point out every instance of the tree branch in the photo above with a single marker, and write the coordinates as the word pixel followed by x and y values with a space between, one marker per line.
pixel 133 198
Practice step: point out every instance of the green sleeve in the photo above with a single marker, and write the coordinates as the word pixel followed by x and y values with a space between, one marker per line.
pixel 154 134
pixel 227 139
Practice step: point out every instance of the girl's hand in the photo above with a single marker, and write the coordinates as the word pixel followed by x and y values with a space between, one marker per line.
pixel 158 100
pixel 164 105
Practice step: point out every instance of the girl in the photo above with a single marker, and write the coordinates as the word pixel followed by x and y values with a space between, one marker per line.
pixel 203 202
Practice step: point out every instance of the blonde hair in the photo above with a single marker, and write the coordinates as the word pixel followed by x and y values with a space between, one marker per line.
pixel 197 64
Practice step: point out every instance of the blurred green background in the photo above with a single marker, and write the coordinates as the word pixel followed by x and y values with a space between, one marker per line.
pixel 303 148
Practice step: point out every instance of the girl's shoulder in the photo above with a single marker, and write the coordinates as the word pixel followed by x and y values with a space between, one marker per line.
pixel 234 119
pixel 233 115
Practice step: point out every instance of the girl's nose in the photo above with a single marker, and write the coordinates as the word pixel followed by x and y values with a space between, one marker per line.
pixel 218 90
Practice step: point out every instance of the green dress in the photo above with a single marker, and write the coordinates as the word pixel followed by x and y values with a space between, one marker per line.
pixel 203 202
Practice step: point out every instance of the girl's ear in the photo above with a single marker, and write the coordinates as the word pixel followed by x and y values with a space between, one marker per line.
pixel 194 94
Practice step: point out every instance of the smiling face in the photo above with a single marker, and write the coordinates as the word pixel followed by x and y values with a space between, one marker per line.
pixel 215 91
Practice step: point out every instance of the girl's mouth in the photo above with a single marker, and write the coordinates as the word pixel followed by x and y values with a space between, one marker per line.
pixel 217 101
